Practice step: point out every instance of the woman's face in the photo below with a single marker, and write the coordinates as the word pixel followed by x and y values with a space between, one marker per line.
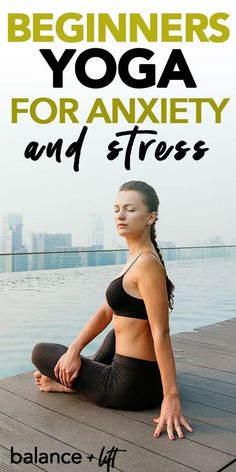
pixel 131 214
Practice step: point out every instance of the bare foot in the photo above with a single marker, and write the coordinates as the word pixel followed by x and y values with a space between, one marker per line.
pixel 45 384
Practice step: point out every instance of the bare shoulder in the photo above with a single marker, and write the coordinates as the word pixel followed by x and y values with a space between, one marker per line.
pixel 151 282
pixel 150 265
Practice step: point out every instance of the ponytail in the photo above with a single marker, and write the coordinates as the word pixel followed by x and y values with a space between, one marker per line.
pixel 170 287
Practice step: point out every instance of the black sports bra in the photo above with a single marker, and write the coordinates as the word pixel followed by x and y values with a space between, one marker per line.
pixel 121 302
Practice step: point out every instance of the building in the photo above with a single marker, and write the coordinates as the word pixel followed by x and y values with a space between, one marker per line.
pixel 20 261
pixel 8 249
pixel 2 258
pixel 12 242
pixel 12 221
pixel 215 251
pixel 48 243
pixel 70 257
pixel 169 253
pixel 96 231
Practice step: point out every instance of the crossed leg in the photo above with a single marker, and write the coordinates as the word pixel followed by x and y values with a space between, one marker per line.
pixel 45 383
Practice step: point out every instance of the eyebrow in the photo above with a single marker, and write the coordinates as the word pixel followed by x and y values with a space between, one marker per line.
pixel 127 204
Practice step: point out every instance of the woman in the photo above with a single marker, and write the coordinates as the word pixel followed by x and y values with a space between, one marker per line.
pixel 134 368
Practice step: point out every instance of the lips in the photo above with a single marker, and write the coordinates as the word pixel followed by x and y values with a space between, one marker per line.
pixel 121 225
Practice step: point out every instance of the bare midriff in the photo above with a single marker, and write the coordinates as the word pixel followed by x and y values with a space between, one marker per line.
pixel 133 337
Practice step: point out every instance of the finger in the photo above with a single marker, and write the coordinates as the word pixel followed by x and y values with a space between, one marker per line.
pixel 158 430
pixel 170 432
pixel 157 433
pixel 62 376
pixel 67 379
pixel 179 430
pixel 74 376
pixel 186 425
pixel 70 377
pixel 56 369
pixel 156 420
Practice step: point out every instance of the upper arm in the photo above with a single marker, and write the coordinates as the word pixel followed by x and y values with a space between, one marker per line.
pixel 107 310
pixel 151 280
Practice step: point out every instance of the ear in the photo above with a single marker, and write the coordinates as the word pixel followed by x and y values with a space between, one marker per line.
pixel 152 218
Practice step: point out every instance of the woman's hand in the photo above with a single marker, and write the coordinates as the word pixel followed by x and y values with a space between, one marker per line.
pixel 171 418
pixel 67 368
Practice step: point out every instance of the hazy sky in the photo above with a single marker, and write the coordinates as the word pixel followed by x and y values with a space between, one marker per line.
pixel 197 198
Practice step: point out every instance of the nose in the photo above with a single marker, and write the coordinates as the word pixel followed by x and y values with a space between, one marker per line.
pixel 120 215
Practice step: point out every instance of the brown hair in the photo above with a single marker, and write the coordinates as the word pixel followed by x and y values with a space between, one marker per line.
pixel 151 200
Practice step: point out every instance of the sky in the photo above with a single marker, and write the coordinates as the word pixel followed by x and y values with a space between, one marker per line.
pixel 196 197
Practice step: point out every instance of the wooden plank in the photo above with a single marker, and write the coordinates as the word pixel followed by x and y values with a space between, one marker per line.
pixel 204 333
pixel 206 348
pixel 213 329
pixel 205 338
pixel 141 447
pixel 206 384
pixel 217 330
pixel 213 341
pixel 221 324
pixel 225 330
pixel 230 321
pixel 209 435
pixel 215 360
pixel 184 452
pixel 202 357
pixel 210 415
pixel 217 400
pixel 226 321
pixel 197 412
pixel 24 438
pixel 184 366
pixel 231 468
pixel 188 344
pixel 6 466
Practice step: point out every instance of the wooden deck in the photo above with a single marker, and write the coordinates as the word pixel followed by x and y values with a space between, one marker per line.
pixel 206 370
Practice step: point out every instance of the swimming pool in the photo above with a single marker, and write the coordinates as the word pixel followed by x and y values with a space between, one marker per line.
pixel 54 305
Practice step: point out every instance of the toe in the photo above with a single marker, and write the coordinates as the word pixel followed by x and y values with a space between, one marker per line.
pixel 37 375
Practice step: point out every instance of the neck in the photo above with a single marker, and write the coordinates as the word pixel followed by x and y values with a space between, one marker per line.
pixel 137 246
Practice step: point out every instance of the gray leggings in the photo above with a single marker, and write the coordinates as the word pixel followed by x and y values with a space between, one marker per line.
pixel 108 379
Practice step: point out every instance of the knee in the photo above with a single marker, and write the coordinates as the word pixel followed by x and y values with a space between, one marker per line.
pixel 37 353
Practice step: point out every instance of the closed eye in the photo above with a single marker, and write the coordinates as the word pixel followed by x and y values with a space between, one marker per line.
pixel 128 209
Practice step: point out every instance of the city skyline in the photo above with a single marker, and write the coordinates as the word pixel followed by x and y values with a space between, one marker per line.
pixel 57 251
pixel 95 234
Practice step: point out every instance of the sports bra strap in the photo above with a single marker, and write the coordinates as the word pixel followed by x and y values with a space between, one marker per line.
pixel 137 258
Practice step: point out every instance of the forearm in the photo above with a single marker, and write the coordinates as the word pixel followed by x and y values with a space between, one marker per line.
pixel 95 326
pixel 165 359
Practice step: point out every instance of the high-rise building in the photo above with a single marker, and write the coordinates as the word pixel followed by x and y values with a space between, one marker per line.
pixel 13 221
pixel 2 258
pixel 215 251
pixel 20 261
pixel 168 250
pixel 12 242
pixel 71 257
pixel 96 231
pixel 46 243
pixel 8 249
